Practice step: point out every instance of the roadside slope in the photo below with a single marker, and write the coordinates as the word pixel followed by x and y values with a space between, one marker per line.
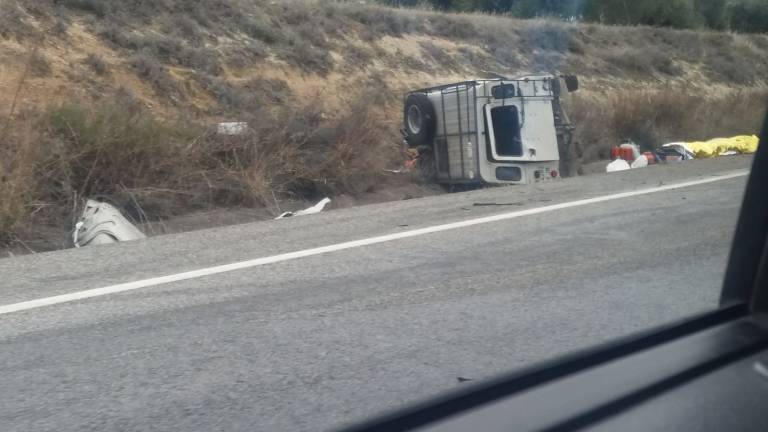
pixel 117 101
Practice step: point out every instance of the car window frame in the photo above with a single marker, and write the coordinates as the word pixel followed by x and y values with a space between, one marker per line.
pixel 744 297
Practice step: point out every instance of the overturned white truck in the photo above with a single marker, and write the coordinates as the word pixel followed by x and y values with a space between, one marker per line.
pixel 491 130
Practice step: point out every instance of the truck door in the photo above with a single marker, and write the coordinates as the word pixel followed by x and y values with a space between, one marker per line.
pixel 516 134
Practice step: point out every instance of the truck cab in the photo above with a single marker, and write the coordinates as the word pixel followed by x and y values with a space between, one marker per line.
pixel 489 131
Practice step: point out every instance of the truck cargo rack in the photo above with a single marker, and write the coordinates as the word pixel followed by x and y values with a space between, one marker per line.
pixel 467 118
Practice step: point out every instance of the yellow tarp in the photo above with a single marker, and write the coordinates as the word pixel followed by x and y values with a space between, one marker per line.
pixel 718 146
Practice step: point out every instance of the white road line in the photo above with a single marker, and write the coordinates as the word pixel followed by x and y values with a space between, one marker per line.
pixel 208 271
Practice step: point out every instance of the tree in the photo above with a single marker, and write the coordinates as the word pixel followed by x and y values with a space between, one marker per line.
pixel 609 11
pixel 558 8
pixel 668 13
pixel 495 6
pixel 738 15
pixel 712 13
pixel 749 16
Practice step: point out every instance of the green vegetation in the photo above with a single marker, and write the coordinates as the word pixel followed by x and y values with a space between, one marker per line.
pixel 749 16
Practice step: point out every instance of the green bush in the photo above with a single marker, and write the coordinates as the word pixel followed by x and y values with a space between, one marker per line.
pixel 669 13
pixel 749 16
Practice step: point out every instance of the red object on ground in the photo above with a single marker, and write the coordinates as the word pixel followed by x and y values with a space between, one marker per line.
pixel 627 154
pixel 614 153
pixel 650 156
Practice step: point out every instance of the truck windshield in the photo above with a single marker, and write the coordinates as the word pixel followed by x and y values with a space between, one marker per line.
pixel 506 130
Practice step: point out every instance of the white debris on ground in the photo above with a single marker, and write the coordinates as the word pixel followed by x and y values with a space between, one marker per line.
pixel 617 165
pixel 232 128
pixel 640 162
pixel 682 149
pixel 102 223
pixel 317 208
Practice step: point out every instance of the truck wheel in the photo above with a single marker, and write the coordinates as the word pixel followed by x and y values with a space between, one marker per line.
pixel 420 120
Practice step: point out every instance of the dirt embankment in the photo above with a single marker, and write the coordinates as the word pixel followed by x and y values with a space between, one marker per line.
pixel 105 99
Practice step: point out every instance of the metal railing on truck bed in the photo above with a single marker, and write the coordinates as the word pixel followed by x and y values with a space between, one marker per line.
pixel 456 107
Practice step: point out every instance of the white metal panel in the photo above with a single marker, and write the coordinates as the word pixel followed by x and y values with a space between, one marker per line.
pixel 537 129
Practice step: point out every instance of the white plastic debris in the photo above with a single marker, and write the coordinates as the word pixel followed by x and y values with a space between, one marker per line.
pixel 640 162
pixel 682 149
pixel 402 170
pixel 232 128
pixel 317 208
pixel 617 165
pixel 101 223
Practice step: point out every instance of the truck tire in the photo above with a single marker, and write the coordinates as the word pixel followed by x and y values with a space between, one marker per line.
pixel 419 119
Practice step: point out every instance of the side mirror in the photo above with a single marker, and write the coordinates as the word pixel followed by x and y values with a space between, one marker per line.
pixel 571 83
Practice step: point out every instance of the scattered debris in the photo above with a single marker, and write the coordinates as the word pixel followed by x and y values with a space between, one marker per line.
pixel 652 159
pixel 617 165
pixel 463 380
pixel 630 152
pixel 402 170
pixel 232 128
pixel 408 164
pixel 102 223
pixel 627 150
pixel 742 144
pixel 676 152
pixel 681 151
pixel 317 208
pixel 640 162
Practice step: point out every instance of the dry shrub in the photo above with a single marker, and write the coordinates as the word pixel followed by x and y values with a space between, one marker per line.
pixel 153 72
pixel 380 21
pixel 13 21
pixel 300 152
pixel 106 150
pixel 653 117
pixel 118 150
pixel 19 151
pixel 643 61
pixel 438 55
pixel 39 67
pixel 204 36
pixel 97 64
pixel 734 68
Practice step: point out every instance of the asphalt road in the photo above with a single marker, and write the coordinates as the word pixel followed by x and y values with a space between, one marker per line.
pixel 317 342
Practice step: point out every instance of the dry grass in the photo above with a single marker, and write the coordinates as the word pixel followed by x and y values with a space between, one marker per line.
pixel 119 150
pixel 203 36
pixel 19 150
pixel 651 118
pixel 97 64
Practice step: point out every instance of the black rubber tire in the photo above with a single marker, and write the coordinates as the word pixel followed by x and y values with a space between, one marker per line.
pixel 419 109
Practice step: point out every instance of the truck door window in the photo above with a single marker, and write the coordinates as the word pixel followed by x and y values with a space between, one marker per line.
pixel 506 130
